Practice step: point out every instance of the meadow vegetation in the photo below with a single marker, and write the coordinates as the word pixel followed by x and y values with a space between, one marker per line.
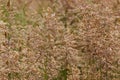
pixel 59 39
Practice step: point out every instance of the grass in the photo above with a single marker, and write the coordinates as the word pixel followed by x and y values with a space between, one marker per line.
pixel 59 40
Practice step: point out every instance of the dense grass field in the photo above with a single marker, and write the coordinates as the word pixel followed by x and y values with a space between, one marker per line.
pixel 59 39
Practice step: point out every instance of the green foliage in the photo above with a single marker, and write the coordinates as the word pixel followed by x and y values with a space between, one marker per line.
pixel 21 18
pixel 14 75
pixel 63 74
